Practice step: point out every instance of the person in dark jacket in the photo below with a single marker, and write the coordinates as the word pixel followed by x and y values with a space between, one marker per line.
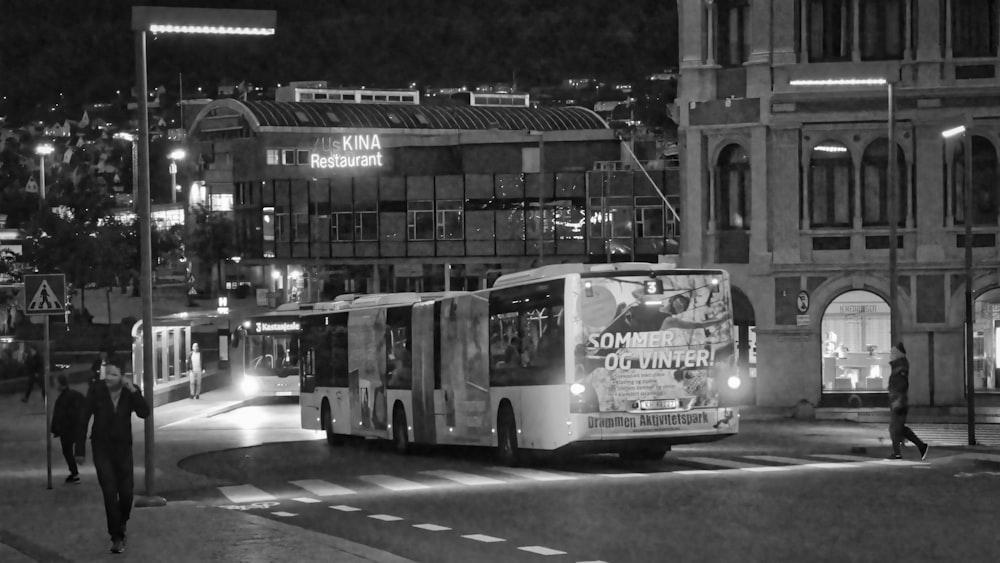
pixel 899 386
pixel 111 404
pixel 67 424
pixel 34 369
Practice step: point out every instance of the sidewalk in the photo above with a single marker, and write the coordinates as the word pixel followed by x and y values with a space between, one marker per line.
pixel 66 523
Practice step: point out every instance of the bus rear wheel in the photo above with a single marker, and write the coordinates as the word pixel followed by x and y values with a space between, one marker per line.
pixel 400 434
pixel 331 438
pixel 507 451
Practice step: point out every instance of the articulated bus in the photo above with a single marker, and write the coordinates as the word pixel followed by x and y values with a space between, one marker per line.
pixel 266 361
pixel 623 358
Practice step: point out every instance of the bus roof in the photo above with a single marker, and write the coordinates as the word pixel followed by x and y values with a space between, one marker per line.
pixel 560 270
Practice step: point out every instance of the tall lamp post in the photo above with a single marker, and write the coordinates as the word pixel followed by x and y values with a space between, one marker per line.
pixel 891 189
pixel 156 19
pixel 966 132
pixel 174 156
pixel 42 151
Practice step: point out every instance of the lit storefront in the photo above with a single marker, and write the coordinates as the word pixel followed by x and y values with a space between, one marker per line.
pixel 338 197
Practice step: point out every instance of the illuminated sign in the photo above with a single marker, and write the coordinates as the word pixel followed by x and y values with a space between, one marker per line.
pixel 284 326
pixel 346 151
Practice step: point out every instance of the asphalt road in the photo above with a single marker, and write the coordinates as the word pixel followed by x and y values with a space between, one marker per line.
pixel 712 502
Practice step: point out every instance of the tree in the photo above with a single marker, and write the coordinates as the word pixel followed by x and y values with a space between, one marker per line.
pixel 210 239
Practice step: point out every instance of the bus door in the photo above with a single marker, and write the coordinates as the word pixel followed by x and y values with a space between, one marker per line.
pixel 464 367
pixel 367 373
pixel 423 380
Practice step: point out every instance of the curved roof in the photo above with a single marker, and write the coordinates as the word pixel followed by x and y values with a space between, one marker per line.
pixel 409 116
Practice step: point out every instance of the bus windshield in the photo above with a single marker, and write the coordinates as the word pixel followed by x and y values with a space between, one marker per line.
pixel 272 354
pixel 654 343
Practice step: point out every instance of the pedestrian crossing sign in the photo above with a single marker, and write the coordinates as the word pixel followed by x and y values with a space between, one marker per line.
pixel 46 294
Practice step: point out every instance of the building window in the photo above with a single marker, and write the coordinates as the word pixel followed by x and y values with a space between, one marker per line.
pixel 282 224
pixel 733 189
pixel 302 157
pixel 342 226
pixel 649 217
pixel 875 183
pixel 450 224
pixel 830 25
pixel 273 157
pixel 420 220
pixel 882 24
pixel 269 223
pixel 288 156
pixel 220 202
pixel 366 225
pixel 732 32
pixel 974 28
pixel 320 222
pixel 831 186
pixel 300 226
pixel 984 182
pixel 621 216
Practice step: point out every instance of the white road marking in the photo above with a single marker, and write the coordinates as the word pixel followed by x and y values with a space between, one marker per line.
pixel 431 527
pixel 393 483
pixel 463 478
pixel 322 488
pixel 624 474
pixel 843 457
pixel 345 508
pixel 306 500
pixel 385 517
pixel 727 463
pixel 534 474
pixel 483 538
pixel 541 550
pixel 780 459
pixel 693 472
pixel 245 493
pixel 769 468
pixel 284 514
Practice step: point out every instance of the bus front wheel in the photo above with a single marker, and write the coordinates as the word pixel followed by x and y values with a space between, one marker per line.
pixel 400 434
pixel 331 438
pixel 507 452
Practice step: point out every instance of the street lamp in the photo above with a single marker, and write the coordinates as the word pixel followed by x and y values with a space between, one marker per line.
pixel 158 19
pixel 42 151
pixel 966 132
pixel 892 196
pixel 174 156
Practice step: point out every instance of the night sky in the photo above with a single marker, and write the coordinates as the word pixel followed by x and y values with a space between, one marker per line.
pixel 84 48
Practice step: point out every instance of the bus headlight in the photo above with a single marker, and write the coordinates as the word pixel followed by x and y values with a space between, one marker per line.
pixel 249 386
pixel 734 382
pixel 577 389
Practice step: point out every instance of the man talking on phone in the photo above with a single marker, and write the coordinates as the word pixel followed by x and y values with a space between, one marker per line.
pixel 111 403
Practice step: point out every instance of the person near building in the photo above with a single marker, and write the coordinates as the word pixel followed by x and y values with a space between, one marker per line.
pixel 34 370
pixel 196 369
pixel 111 404
pixel 899 386
pixel 66 424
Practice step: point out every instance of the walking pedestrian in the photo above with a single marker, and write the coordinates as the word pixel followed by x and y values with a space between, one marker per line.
pixel 111 404
pixel 899 386
pixel 196 369
pixel 34 370
pixel 97 367
pixel 67 415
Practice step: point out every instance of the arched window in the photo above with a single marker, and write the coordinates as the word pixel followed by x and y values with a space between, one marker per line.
pixel 875 179
pixel 984 182
pixel 733 189
pixel 831 186
pixel 733 37
pixel 882 24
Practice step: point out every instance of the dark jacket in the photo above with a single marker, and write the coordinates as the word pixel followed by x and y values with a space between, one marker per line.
pixel 67 414
pixel 899 383
pixel 111 425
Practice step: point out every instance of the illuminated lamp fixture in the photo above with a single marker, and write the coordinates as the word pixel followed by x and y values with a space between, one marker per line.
pixel 830 148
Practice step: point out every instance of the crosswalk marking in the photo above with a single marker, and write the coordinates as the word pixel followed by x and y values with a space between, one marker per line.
pixel 624 474
pixel 306 500
pixel 463 478
pixel 540 550
pixel 534 474
pixel 385 517
pixel 393 483
pixel 245 493
pixel 284 514
pixel 322 488
pixel 483 538
pixel 345 508
pixel 727 463
pixel 432 527
pixel 842 457
pixel 779 459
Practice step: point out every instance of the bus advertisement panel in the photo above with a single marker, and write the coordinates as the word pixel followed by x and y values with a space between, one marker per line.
pixel 654 352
